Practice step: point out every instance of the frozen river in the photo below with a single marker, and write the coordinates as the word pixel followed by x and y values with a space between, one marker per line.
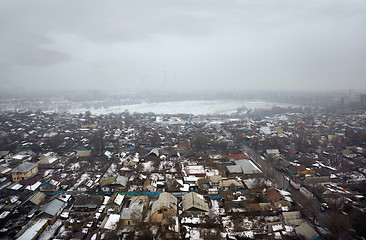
pixel 188 107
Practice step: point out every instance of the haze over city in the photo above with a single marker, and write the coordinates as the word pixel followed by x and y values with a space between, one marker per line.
pixel 182 45
pixel 184 119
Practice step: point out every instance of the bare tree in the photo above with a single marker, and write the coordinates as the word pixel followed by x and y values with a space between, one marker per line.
pixel 155 139
pixel 199 142
pixel 338 224
pixel 313 209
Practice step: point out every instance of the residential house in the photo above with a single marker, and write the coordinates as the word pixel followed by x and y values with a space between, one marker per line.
pixel 32 230
pixel 133 214
pixel 214 180
pixel 131 161
pixel 24 171
pixel 244 168
pixel 230 184
pixel 150 185
pixel 234 171
pixel 114 184
pixel 37 198
pixel 52 210
pixel 48 160
pixel 87 202
pixel 272 152
pixel 313 181
pixel 50 185
pixel 153 156
pixel 138 180
pixel 276 199
pixel 115 203
pixel 173 185
pixel 83 152
pixel 196 170
pixel 203 185
pixel 261 208
pixel 164 207
pixel 5 171
pixel 66 198
pixel 194 204
pixel 141 199
pixel 110 222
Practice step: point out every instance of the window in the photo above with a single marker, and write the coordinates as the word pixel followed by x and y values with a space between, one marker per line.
pixel 160 212
pixel 128 222
pixel 165 209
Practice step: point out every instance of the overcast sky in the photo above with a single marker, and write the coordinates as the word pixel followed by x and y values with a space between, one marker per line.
pixel 182 45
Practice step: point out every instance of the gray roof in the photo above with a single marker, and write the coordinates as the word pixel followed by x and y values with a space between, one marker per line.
pixel 194 200
pixel 24 167
pixel 134 211
pixel 247 166
pixel 292 218
pixel 165 200
pixel 53 207
pixel 234 169
pixel 306 231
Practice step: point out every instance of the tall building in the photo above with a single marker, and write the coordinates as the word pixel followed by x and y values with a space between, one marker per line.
pixel 363 99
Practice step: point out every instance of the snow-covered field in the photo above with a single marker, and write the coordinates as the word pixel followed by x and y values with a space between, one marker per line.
pixel 189 107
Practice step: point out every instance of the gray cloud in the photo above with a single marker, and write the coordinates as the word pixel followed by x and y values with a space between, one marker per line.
pixel 173 45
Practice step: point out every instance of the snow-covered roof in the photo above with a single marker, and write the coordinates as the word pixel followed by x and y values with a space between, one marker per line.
pixel 154 151
pixel 119 198
pixel 134 211
pixel 33 230
pixel 248 167
pixel 64 198
pixel 112 222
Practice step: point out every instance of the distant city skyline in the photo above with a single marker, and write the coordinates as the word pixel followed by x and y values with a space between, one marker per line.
pixel 183 45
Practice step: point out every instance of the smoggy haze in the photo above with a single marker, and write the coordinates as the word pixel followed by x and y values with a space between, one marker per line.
pixel 175 45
